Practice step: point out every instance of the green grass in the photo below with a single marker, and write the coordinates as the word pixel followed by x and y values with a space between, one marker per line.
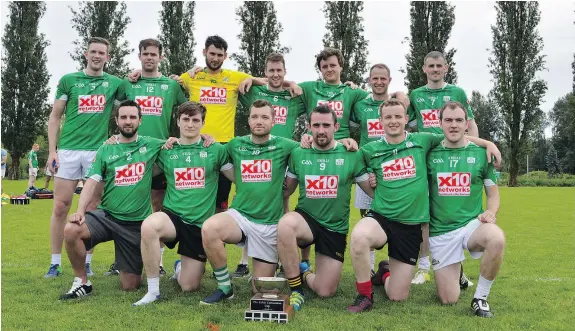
pixel 535 289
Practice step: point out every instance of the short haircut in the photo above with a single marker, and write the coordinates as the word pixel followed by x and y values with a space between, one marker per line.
pixel 150 42
pixel 35 145
pixel 98 40
pixel 323 109
pixel 452 105
pixel 217 41
pixel 276 57
pixel 129 103
pixel 191 108
pixel 326 53
pixel 434 55
pixel 261 103
pixel 390 103
pixel 380 66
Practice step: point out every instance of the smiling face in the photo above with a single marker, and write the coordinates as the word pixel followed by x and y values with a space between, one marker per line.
pixel 275 73
pixel 435 69
pixel 454 123
pixel 393 119
pixel 97 56
pixel 379 81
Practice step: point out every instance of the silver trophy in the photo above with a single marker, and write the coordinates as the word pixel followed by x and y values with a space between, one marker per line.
pixel 269 303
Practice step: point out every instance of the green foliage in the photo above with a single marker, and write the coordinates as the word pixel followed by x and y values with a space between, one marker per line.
pixel 487 116
pixel 552 162
pixel 177 36
pixel 563 118
pixel 540 179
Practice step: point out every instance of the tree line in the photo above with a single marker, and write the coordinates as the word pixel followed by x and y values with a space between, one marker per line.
pixel 509 115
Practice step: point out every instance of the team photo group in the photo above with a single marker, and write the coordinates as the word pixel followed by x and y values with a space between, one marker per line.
pixel 417 174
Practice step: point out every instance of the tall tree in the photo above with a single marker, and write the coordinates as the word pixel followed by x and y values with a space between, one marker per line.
pixel 487 116
pixel 24 80
pixel 430 28
pixel 344 25
pixel 258 40
pixel 177 36
pixel 514 63
pixel 563 118
pixel 105 19
pixel 552 161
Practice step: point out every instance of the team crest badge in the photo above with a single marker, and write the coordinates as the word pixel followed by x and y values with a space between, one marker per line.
pixel 105 84
pixel 164 87
pixel 143 150
pixel 203 155
pixel 446 98
pixel 226 79
pixel 470 160
pixel 338 162
pixel 409 144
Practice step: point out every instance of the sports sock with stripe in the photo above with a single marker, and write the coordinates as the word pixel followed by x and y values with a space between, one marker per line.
pixel 223 278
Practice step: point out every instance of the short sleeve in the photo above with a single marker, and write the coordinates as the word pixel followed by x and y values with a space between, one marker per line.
pixel 98 167
pixel 360 167
pixel 290 145
pixel 241 76
pixel 245 99
pixel 429 140
pixel 121 92
pixel 186 81
pixel 223 157
pixel 62 89
pixel 300 104
pixel 292 165
pixel 489 175
pixel 179 95
pixel 160 161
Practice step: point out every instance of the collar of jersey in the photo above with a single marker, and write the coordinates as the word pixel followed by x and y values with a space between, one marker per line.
pixel 437 89
pixel 464 147
pixel 337 143
pixel 194 144
pixel 407 134
pixel 85 74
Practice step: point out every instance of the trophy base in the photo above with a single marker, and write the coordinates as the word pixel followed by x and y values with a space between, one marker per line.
pixel 273 316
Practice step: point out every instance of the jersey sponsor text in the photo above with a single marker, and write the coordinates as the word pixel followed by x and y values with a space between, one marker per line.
pixel 335 105
pixel 129 174
pixel 280 116
pixel 190 178
pixel 321 187
pixel 214 95
pixel 150 105
pixel 91 103
pixel 374 128
pixel 256 170
pixel 430 118
pixel 454 183
pixel 403 167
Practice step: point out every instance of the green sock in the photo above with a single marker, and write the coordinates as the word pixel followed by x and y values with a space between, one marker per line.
pixel 223 278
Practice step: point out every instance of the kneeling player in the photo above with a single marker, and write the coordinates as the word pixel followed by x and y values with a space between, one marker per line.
pixel 325 173
pixel 192 173
pixel 126 169
pixel 458 171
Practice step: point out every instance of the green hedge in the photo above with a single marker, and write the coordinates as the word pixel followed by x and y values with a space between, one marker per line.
pixel 540 178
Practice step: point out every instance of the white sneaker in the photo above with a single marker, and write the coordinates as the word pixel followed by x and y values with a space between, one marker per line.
pixel 148 298
pixel 421 276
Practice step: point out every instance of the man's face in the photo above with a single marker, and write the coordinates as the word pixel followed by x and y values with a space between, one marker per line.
pixel 435 69
pixel 330 69
pixel 97 56
pixel 322 129
pixel 379 81
pixel 150 58
pixel 128 121
pixel 215 57
pixel 36 148
pixel 454 124
pixel 190 126
pixel 393 120
pixel 275 73
pixel 261 121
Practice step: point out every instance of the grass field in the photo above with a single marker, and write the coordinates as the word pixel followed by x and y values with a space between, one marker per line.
pixel 535 289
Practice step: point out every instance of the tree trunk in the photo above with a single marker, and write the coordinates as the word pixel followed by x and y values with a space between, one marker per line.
pixel 514 166
pixel 15 168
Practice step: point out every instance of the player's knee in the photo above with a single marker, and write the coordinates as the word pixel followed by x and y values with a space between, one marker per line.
pixel 72 231
pixel 149 230
pixel 359 240
pixel 61 208
pixel 210 232
pixel 286 226
pixel 448 297
pixel 496 240
pixel 398 297
pixel 326 291
pixel 131 283
pixel 189 286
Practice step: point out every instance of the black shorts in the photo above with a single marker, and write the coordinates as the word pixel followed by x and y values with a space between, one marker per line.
pixel 189 236
pixel 327 242
pixel 403 240
pixel 159 182
pixel 126 235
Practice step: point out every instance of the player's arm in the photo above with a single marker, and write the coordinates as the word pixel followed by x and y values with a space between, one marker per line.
pixel 493 201
pixel 53 128
pixel 491 149
pixel 364 184
pixel 412 117
pixel 290 184
pixel 86 195
pixel 472 129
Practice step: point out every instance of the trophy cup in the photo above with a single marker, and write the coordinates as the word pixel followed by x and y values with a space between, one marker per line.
pixel 269 304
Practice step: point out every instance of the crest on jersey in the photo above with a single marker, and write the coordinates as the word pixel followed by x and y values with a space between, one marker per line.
pixel 164 87
pixel 470 160
pixel 143 149
pixel 446 98
pixel 226 79
pixel 409 144
pixel 105 84
pixel 271 148
pixel 338 162
pixel 203 155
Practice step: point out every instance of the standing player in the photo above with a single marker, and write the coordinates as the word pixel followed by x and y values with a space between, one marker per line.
pixel 400 206
pixel 192 172
pixel 325 173
pixel 423 112
pixel 458 171
pixel 86 98
pixel 260 162
pixel 33 165
pixel 126 170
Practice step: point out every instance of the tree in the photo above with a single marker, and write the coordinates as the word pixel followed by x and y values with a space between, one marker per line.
pixel 431 24
pixel 105 19
pixel 344 26
pixel 487 116
pixel 552 161
pixel 24 80
pixel 563 118
pixel 177 36
pixel 514 63
pixel 257 42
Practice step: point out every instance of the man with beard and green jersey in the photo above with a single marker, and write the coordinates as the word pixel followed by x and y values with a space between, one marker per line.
pixel 458 171
pixel 325 173
pixel 192 173
pixel 260 161
pixel 126 170
pixel 86 99
pixel 423 112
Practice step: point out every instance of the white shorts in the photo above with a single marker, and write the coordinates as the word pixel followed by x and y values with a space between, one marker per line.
pixel 3 173
pixel 447 249
pixel 74 164
pixel 33 172
pixel 362 200
pixel 261 239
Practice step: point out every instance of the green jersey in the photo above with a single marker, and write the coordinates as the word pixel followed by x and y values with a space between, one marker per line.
pixel 126 170
pixel 89 102
pixel 425 104
pixel 366 113
pixel 286 108
pixel 456 180
pixel 259 172
pixel 325 179
pixel 157 98
pixel 341 98
pixel 33 157
pixel 401 170
pixel 192 174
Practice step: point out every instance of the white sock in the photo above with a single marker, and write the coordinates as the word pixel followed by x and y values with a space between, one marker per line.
pixel 483 288
pixel 56 259
pixel 162 256
pixel 245 258
pixel 372 259
pixel 178 269
pixel 88 258
pixel 423 263
pixel 154 285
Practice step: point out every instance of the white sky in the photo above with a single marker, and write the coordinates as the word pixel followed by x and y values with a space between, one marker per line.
pixel 386 25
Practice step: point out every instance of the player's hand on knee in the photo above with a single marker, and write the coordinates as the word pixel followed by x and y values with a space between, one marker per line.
pixel 192 72
pixel 208 140
pixel 134 75
pixel 372 179
pixel 169 144
pixel 306 140
pixel 350 144
pixel 487 217
pixel 76 218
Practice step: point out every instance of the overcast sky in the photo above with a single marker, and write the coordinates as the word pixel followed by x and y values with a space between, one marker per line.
pixel 386 25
